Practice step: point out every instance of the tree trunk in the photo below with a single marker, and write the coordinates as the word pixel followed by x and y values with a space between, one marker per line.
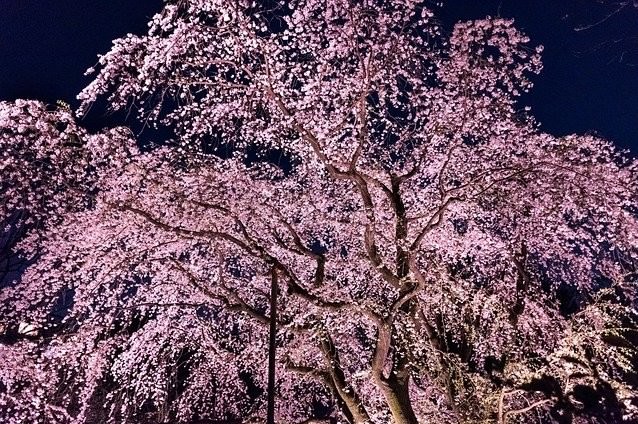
pixel 396 391
pixel 346 393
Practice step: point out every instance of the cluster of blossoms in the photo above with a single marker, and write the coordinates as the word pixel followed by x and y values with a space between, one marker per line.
pixel 437 258
pixel 50 166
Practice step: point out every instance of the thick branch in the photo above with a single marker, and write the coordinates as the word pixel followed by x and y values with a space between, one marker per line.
pixel 346 392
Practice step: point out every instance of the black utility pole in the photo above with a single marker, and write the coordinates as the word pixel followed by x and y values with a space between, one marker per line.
pixel 272 347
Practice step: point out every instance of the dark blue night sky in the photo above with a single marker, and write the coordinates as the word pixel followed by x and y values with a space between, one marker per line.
pixel 588 85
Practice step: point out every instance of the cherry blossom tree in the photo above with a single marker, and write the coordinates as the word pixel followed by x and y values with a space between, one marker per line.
pixel 437 258
pixel 49 166
pixel 49 163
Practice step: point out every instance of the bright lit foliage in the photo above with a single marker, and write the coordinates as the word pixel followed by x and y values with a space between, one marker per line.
pixel 438 258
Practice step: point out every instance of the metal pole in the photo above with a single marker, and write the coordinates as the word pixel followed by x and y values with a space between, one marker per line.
pixel 272 347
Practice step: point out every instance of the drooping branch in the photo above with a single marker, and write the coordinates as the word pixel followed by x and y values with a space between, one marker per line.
pixel 345 391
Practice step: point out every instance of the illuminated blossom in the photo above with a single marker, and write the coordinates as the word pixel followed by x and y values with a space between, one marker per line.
pixel 438 258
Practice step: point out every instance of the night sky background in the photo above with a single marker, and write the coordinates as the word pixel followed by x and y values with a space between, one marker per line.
pixel 589 84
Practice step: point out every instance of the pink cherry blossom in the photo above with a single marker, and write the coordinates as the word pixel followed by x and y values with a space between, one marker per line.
pixel 438 258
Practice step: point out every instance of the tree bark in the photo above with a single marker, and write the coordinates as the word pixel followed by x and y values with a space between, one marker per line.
pixel 345 392
pixel 395 388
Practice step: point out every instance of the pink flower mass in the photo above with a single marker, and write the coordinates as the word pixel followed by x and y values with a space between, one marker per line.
pixel 437 257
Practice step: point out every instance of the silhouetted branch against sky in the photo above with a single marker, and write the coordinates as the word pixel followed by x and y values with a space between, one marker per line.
pixel 46 46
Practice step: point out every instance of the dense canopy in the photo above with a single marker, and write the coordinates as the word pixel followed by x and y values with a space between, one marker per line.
pixel 437 258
